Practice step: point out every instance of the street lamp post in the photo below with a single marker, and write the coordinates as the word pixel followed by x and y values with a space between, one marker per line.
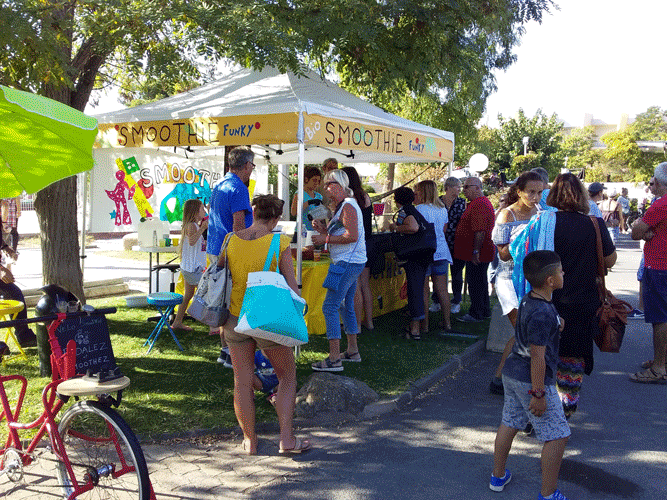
pixel 525 145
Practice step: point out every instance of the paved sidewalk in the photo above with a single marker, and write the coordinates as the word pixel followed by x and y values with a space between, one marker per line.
pixel 441 445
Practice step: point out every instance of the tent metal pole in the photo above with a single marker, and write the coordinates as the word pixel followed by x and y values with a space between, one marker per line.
pixel 299 213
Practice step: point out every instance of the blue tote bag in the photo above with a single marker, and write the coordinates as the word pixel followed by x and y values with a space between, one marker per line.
pixel 271 310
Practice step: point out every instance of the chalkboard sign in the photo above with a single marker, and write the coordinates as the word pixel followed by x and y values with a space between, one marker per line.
pixel 94 353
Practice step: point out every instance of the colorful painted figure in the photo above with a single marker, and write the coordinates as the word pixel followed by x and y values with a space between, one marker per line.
pixel 118 197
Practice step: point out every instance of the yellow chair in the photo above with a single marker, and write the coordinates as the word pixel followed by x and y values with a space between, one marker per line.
pixel 9 309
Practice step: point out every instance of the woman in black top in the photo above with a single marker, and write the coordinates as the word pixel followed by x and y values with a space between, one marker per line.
pixel 363 299
pixel 415 268
pixel 455 208
pixel 578 301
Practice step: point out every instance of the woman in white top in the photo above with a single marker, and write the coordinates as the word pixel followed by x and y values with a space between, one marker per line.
pixel 434 211
pixel 523 199
pixel 193 254
pixel 344 237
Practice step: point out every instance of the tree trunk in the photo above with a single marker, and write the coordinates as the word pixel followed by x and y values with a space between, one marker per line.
pixel 56 212
pixel 55 205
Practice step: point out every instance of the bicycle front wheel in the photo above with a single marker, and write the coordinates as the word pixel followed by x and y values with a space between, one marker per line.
pixel 104 451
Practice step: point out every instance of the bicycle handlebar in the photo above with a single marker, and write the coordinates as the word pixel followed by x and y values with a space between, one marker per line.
pixel 52 317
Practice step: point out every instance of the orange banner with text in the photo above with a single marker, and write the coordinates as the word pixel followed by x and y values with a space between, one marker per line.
pixel 221 131
pixel 331 132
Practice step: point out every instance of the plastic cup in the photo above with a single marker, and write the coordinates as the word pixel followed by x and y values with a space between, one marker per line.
pixel 61 305
pixel 73 306
pixel 167 242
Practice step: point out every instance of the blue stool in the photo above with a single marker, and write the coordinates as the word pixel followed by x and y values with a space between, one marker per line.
pixel 168 300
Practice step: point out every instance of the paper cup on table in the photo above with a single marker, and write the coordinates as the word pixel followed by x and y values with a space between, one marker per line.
pixel 309 239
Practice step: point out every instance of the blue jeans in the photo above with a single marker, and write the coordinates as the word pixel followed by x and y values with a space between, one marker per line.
pixel 342 300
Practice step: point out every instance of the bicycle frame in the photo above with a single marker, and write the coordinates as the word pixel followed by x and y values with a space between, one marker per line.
pixel 63 368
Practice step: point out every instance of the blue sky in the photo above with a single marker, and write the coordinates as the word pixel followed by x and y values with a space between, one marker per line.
pixel 592 56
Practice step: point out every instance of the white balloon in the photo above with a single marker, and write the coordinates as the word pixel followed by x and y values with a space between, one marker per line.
pixel 478 162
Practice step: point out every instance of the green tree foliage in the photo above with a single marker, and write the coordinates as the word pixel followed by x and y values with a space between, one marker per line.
pixel 651 125
pixel 624 159
pixel 480 141
pixel 545 136
pixel 577 149
pixel 443 51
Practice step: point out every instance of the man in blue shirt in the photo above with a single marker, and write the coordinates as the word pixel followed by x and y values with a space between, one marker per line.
pixel 230 211
pixel 230 200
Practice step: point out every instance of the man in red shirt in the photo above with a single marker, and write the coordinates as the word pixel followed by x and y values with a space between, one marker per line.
pixel 473 245
pixel 652 228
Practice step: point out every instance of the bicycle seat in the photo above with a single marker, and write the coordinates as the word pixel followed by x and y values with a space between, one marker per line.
pixel 90 386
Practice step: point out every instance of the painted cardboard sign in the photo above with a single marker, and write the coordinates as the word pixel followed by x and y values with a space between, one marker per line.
pixel 138 184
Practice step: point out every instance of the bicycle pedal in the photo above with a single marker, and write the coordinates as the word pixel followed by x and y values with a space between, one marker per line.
pixel 13 465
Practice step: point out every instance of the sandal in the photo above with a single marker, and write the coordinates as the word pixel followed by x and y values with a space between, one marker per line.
pixel 326 365
pixel 411 336
pixel 299 446
pixel 345 356
pixel 649 376
pixel 649 364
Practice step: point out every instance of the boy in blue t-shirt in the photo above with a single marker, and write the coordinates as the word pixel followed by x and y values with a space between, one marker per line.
pixel 529 377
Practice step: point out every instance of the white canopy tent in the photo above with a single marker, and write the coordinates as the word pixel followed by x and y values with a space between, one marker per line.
pixel 287 119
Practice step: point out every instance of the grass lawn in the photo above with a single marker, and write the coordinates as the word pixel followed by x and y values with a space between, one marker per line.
pixel 173 391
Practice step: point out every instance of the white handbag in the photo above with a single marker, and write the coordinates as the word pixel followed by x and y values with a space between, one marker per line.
pixel 210 304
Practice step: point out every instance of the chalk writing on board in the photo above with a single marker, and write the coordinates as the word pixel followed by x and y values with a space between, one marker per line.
pixel 93 345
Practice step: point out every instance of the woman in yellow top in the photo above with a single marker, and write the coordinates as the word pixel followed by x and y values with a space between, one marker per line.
pixel 246 253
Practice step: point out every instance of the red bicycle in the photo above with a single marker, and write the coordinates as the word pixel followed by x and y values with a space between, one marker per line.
pixel 96 453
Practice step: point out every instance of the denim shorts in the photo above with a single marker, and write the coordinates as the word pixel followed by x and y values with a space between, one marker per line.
pixel 516 414
pixel 654 293
pixel 438 268
pixel 192 278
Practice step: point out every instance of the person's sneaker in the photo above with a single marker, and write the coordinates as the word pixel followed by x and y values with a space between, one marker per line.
pixel 498 483
pixel 456 308
pixel 435 307
pixel 225 359
pixel 528 430
pixel 636 314
pixel 556 495
pixel 496 386
pixel 466 318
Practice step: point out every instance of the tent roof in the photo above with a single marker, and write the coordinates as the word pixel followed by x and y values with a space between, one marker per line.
pixel 263 108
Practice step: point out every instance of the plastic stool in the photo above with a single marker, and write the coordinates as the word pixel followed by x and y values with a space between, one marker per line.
pixel 160 300
pixel 9 309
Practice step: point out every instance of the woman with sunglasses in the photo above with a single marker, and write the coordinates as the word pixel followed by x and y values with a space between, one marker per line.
pixel 344 238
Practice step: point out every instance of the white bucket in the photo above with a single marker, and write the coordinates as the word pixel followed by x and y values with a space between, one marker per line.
pixel 165 279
